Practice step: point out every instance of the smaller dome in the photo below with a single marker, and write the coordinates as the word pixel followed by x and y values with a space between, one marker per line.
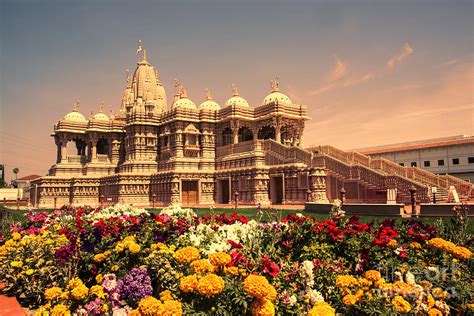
pixel 75 116
pixel 209 103
pixel 101 116
pixel 236 99
pixel 184 103
pixel 276 96
pixel 182 100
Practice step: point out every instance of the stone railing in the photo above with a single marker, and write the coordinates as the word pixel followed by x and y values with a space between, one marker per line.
pixel 289 153
pixel 462 187
pixel 76 159
pixel 247 146
pixel 102 158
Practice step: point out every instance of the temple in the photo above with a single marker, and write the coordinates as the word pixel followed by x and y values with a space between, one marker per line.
pixel 150 154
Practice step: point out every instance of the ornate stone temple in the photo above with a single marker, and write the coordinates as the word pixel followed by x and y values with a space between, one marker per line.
pixel 152 154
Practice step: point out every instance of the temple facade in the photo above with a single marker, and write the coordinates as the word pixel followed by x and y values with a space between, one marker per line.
pixel 150 153
pixel 154 152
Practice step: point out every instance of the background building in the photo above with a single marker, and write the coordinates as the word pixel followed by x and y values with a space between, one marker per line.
pixel 448 155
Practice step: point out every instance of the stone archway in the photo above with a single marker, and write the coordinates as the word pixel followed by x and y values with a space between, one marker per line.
pixel 227 136
pixel 266 132
pixel 245 134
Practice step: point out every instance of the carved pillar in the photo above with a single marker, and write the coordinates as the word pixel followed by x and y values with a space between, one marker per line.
pixel 300 139
pixel 317 186
pixel 63 150
pixel 255 133
pixel 234 125
pixel 93 150
pixel 58 148
pixel 175 191
pixel 260 183
pixel 277 123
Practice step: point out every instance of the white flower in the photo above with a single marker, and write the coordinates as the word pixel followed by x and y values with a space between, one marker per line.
pixel 292 300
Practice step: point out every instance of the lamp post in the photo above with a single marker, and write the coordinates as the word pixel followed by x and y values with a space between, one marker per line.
pixel 413 199
pixel 55 202
pixel 236 198
pixel 434 190
pixel 153 200
pixel 102 197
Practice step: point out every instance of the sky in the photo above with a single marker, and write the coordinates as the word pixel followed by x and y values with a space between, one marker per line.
pixel 370 72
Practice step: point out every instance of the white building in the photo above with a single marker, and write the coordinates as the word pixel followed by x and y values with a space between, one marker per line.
pixel 448 155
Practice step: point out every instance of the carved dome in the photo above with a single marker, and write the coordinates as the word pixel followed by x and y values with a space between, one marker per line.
pixel 209 103
pixel 276 95
pixel 100 117
pixel 185 103
pixel 75 116
pixel 236 99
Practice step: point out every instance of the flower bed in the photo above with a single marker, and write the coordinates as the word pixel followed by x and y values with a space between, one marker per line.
pixel 126 261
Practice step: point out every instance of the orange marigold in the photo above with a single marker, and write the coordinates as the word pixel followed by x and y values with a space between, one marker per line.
pixel 262 307
pixel 372 275
pixel 259 287
pixel 220 259
pixel 186 254
pixel 210 285
pixel 322 309
pixel 202 266
pixel 188 283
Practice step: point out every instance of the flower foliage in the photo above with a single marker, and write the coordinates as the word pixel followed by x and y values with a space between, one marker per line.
pixel 126 261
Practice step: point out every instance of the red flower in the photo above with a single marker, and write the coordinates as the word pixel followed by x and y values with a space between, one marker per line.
pixel 270 267
pixel 384 235
pixel 235 244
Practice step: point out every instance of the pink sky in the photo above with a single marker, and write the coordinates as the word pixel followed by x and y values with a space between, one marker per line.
pixel 370 75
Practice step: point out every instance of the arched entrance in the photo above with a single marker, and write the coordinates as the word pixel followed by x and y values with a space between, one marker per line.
pixel 245 134
pixel 266 132
pixel 226 136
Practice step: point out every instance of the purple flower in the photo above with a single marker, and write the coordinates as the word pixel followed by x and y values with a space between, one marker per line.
pixel 136 285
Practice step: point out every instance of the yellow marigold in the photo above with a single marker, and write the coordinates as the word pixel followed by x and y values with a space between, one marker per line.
pixel 233 271
pixel 114 268
pixel 415 245
pixel 75 282
pixel 188 283
pixel 439 293
pixel 134 312
pixel 65 295
pixel 349 300
pixel 97 290
pixel 60 310
pixel 186 254
pixel 171 308
pixel 372 275
pixel 134 247
pixel 16 264
pixel 16 236
pixel 392 243
pixel 449 247
pixel 52 293
pixel 149 306
pixel 100 257
pixel 202 266
pixel 400 305
pixel 262 307
pixel 79 292
pixel 99 278
pixel 435 312
pixel 430 301
pixel 380 283
pixel 322 309
pixel 166 295
pixel 346 281
pixel 30 271
pixel 3 251
pixel 220 259
pixel 259 287
pixel 210 284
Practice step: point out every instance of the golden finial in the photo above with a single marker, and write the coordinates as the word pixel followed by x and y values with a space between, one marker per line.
pixel 75 106
pixel 235 91
pixel 178 87
pixel 111 109
pixel 208 94
pixel 184 93
pixel 275 84
pixel 144 55
pixel 139 48
pixel 101 107
pixel 92 114
pixel 128 75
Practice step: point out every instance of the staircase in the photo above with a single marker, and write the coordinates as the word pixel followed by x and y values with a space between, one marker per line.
pixel 385 174
pixel 379 173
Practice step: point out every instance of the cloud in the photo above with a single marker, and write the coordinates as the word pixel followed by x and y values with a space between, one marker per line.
pixel 398 59
pixel 340 76
pixel 339 71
